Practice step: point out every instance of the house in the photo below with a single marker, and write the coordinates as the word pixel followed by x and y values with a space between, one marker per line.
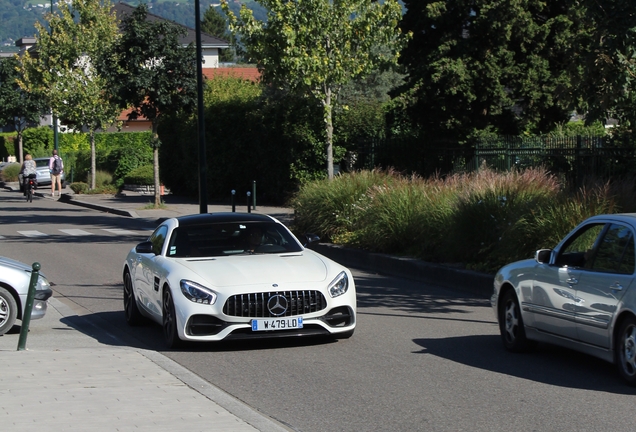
pixel 210 46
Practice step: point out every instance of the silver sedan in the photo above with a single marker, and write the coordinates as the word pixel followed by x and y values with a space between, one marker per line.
pixel 15 278
pixel 579 295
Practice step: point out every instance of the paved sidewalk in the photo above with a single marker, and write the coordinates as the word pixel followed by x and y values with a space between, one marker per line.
pixel 73 382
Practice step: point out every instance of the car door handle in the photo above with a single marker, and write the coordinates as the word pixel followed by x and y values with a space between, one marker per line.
pixel 616 287
pixel 572 281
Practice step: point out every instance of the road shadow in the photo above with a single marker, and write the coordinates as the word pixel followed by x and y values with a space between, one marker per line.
pixel 546 364
pixel 111 328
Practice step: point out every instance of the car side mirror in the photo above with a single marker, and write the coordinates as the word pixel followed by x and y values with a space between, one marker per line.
pixel 311 238
pixel 542 256
pixel 144 247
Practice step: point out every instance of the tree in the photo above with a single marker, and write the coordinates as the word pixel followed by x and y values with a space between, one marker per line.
pixel 17 107
pixel 317 46
pixel 149 70
pixel 606 54
pixel 215 24
pixel 479 65
pixel 65 71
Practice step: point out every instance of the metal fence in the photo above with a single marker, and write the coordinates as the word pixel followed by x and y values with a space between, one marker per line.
pixel 572 157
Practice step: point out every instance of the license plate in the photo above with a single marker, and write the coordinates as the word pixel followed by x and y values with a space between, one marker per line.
pixel 277 324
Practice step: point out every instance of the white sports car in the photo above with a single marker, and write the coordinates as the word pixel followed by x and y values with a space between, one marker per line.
pixel 212 277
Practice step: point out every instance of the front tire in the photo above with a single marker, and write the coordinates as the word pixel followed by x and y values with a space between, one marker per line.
pixel 626 351
pixel 170 332
pixel 513 333
pixel 133 316
pixel 8 311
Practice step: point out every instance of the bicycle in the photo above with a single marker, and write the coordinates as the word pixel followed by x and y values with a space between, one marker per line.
pixel 30 187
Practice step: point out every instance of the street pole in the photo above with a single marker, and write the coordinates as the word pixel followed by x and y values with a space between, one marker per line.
pixel 203 190
pixel 55 142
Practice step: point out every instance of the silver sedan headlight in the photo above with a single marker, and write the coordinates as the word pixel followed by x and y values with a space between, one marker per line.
pixel 197 293
pixel 339 285
pixel 42 284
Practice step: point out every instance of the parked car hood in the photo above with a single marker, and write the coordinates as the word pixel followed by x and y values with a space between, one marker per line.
pixel 258 269
pixel 15 264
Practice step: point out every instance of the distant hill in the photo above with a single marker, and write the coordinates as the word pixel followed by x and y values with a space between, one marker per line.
pixel 18 17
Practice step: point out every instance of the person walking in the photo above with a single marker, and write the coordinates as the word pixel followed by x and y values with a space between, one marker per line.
pixel 56 168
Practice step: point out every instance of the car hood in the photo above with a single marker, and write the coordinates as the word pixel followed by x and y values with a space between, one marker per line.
pixel 16 265
pixel 8 262
pixel 258 269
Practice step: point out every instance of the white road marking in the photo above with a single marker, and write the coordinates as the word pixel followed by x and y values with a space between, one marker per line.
pixel 76 232
pixel 32 233
pixel 119 231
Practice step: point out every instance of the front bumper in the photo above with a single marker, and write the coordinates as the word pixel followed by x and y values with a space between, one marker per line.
pixel 340 319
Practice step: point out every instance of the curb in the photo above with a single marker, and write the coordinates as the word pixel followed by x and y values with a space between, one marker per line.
pixel 69 200
pixel 472 282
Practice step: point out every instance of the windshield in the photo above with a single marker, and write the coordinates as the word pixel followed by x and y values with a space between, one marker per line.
pixel 223 239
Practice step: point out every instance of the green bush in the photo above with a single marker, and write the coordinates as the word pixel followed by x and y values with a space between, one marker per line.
pixel 103 189
pixel 10 172
pixel 8 144
pixel 79 187
pixel 103 178
pixel 143 175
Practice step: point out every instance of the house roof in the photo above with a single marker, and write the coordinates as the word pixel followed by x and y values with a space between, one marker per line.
pixel 207 41
pixel 247 73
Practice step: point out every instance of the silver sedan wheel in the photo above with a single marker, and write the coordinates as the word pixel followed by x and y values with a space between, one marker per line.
pixel 512 322
pixel 627 351
pixel 8 311
pixel 513 334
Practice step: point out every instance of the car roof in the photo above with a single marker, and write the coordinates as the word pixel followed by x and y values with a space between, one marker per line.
pixel 222 217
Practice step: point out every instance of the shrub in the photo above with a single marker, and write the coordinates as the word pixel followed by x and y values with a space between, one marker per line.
pixel 143 175
pixel 10 172
pixel 79 187
pixel 104 189
pixel 103 178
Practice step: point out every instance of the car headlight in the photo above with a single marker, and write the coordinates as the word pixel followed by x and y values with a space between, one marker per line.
pixel 42 284
pixel 197 293
pixel 339 285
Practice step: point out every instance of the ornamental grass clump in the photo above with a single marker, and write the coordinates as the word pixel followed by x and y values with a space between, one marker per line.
pixel 489 205
pixel 409 217
pixel 331 208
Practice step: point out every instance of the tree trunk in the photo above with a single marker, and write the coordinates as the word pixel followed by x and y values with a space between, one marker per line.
pixel 20 148
pixel 155 153
pixel 329 129
pixel 93 164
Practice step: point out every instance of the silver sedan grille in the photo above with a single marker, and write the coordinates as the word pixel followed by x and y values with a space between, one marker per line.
pixel 255 305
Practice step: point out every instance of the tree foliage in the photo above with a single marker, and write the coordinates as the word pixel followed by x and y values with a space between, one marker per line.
pixel 475 65
pixel 18 108
pixel 65 68
pixel 215 24
pixel 150 72
pixel 317 46
pixel 606 53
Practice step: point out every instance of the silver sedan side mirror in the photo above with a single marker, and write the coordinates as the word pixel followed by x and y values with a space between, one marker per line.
pixel 542 256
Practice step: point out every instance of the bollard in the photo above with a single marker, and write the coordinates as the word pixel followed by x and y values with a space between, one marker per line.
pixel 249 209
pixel 26 319
pixel 233 205
pixel 254 194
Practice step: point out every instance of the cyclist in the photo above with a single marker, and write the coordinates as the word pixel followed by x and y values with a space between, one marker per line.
pixel 28 170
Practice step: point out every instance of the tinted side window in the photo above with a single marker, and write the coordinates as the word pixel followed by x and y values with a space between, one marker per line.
pixel 158 238
pixel 577 251
pixel 615 251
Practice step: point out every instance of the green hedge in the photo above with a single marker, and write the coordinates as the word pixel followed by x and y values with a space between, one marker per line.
pixel 143 175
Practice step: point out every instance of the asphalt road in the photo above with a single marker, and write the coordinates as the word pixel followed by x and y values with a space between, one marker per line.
pixel 423 357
